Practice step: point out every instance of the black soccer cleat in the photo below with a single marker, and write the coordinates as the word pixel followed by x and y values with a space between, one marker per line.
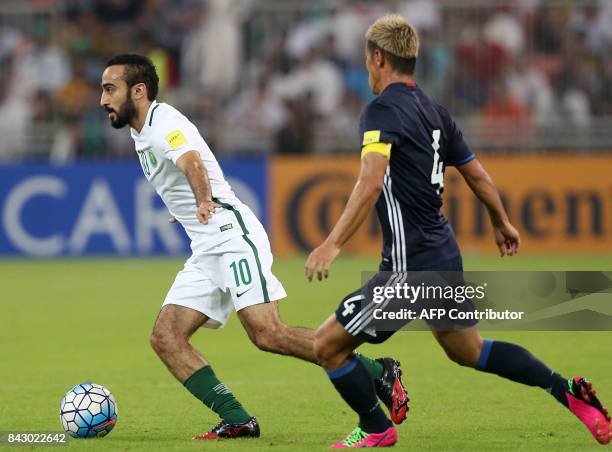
pixel 391 391
pixel 223 429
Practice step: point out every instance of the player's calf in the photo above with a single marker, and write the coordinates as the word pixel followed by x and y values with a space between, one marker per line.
pixel 577 394
pixel 266 330
pixel 170 340
pixel 271 339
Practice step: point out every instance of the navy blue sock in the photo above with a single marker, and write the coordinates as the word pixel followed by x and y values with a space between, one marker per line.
pixel 356 387
pixel 517 364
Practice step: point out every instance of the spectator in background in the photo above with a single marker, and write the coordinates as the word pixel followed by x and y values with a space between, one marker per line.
pixel 605 104
pixel 159 56
pixel 180 18
pixel 277 58
pixel 43 117
pixel 356 77
pixel 213 53
pixel 435 56
pixel 317 76
pixel 503 29
pixel 259 116
pixel 15 111
pixel 76 95
pixel 434 63
pixel 328 50
pixel 595 22
pixel 338 133
pixel 549 29
pixel 477 64
pixel 531 89
pixel 296 136
pixel 422 14
pixel 118 12
pixel 575 83
pixel 42 61
pixel 245 62
pixel 305 35
pixel 92 40
pixel 78 135
pixel 503 116
pixel 10 39
pixel 501 104
pixel 348 23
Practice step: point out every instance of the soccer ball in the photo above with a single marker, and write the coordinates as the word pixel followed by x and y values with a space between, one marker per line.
pixel 88 410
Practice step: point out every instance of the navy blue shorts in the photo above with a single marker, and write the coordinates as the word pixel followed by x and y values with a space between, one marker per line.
pixel 374 318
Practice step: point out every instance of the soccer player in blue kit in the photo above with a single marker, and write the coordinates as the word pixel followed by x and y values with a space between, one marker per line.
pixel 407 141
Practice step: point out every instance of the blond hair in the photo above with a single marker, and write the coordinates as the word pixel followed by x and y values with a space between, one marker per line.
pixel 395 35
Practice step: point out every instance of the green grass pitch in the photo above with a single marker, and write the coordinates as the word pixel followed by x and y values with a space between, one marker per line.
pixel 64 322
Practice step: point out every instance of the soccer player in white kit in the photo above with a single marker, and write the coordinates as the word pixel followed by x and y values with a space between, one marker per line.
pixel 230 268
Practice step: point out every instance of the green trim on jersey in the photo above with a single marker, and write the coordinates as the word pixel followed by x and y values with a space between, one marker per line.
pixel 245 236
pixel 152 112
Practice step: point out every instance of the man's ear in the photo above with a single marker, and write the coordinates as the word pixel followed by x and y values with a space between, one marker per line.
pixel 379 57
pixel 139 90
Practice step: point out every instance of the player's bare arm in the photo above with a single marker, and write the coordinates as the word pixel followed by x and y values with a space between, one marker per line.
pixel 359 206
pixel 192 166
pixel 479 181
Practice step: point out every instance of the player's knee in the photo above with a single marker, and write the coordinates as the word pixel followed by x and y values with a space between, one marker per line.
pixel 163 341
pixel 327 355
pixel 456 358
pixel 466 357
pixel 320 349
pixel 157 341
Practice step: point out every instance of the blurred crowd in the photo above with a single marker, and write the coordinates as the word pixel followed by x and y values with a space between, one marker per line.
pixel 274 76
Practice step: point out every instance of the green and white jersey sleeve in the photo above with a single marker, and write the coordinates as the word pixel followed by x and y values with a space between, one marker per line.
pixel 165 137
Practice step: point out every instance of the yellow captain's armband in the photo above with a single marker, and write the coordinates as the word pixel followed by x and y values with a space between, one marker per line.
pixel 372 136
pixel 380 148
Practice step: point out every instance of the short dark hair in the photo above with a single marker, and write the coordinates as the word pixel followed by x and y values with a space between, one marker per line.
pixel 138 69
pixel 399 64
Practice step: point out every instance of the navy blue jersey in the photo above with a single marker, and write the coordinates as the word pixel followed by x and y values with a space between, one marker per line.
pixel 424 140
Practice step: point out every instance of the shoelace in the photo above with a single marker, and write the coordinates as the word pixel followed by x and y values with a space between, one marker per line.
pixel 217 427
pixel 579 389
pixel 354 437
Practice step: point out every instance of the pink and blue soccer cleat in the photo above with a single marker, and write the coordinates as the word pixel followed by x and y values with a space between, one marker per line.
pixel 358 438
pixel 584 404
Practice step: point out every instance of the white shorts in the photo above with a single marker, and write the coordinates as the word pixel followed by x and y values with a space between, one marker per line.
pixel 233 274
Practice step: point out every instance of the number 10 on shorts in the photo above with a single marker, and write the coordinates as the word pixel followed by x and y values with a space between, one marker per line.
pixel 242 272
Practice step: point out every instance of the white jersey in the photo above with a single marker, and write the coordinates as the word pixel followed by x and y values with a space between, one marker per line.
pixel 166 135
